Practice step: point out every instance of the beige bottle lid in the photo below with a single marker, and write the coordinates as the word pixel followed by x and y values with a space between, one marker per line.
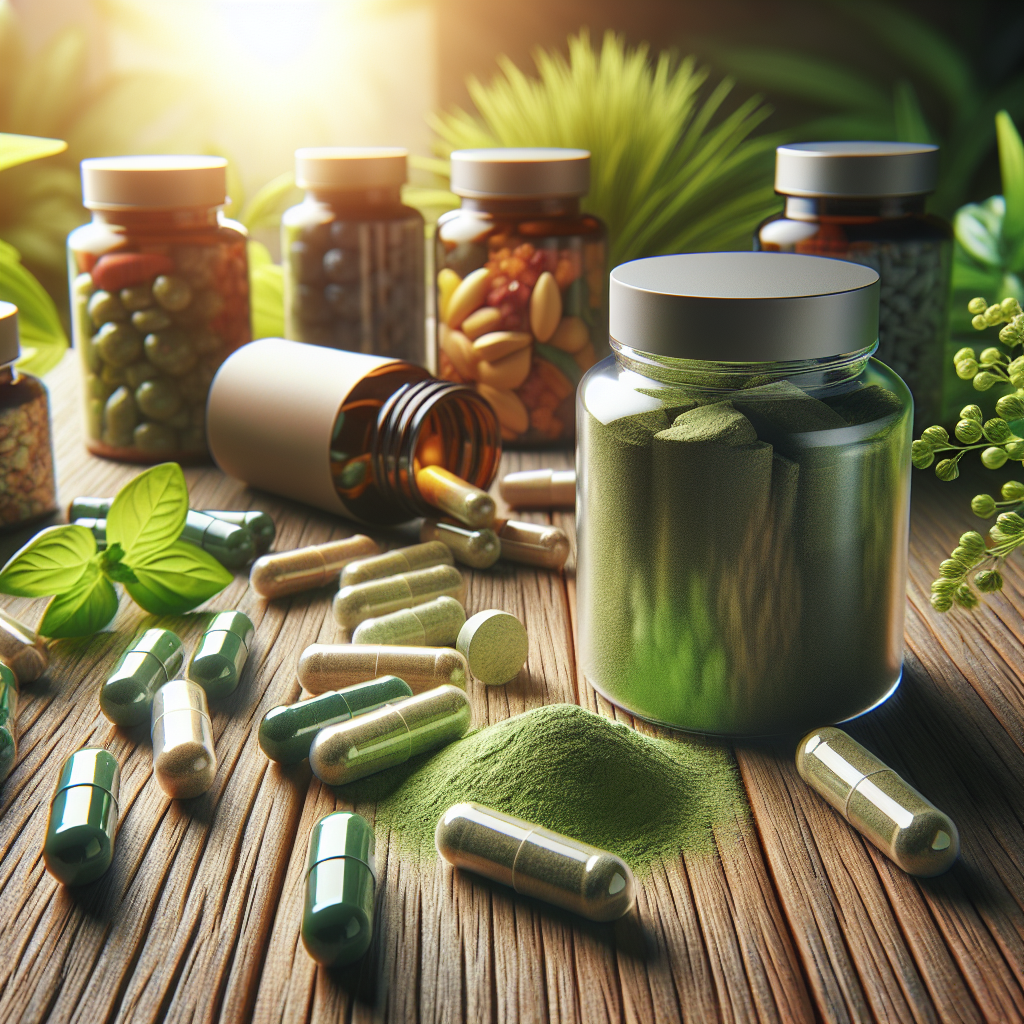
pixel 515 172
pixel 10 346
pixel 153 182
pixel 348 168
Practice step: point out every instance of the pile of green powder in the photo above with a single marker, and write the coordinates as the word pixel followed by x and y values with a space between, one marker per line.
pixel 572 771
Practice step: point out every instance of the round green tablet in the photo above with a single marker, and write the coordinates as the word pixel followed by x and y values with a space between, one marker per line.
pixel 495 645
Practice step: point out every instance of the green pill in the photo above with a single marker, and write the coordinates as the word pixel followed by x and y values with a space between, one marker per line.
pixel 79 844
pixel 222 651
pixel 337 918
pixel 259 524
pixel 286 732
pixel 233 546
pixel 89 508
pixel 154 659
pixel 8 713
pixel 97 527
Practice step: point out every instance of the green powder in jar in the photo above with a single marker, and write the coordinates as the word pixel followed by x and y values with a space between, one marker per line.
pixel 575 772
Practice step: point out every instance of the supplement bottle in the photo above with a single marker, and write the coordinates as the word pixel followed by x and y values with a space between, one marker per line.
pixel 743 479
pixel 353 255
pixel 28 490
pixel 344 431
pixel 865 202
pixel 160 296
pixel 520 288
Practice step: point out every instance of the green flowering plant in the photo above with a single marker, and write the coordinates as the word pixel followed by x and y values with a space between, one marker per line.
pixel 1000 440
pixel 162 574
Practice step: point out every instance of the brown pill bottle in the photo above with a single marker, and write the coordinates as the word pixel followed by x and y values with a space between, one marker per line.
pixel 345 431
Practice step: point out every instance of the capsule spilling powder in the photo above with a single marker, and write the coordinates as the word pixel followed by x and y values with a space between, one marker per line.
pixel 22 650
pixel 533 543
pixel 535 861
pixel 379 597
pixel 222 653
pixel 540 488
pixel 325 667
pixel 154 659
pixel 479 549
pixel 286 732
pixel 393 563
pixel 290 572
pixel 885 809
pixel 184 761
pixel 432 624
pixel 8 716
pixel 389 736
pixel 453 495
pixel 259 524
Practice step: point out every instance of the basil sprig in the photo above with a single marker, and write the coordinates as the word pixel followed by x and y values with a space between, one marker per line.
pixel 164 575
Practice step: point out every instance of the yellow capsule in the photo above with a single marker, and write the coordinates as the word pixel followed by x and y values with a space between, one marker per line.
pixel 379 597
pixel 22 650
pixel 533 543
pixel 289 572
pixel 184 761
pixel 885 809
pixel 432 624
pixel 535 861
pixel 477 548
pixel 540 488
pixel 392 563
pixel 455 496
pixel 324 667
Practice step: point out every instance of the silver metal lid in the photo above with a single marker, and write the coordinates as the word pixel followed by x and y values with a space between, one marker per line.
pixel 743 306
pixel 856 169
pixel 515 173
pixel 350 168
pixel 10 347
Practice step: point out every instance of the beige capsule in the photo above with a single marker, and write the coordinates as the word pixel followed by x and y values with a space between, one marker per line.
pixel 571 335
pixel 533 543
pixel 540 488
pixel 479 549
pixel 379 597
pixel 184 760
pixel 484 320
pixel 506 373
pixel 289 572
pixel 498 344
pixel 545 306
pixel 433 624
pixel 452 494
pixel 324 667
pixel 392 563
pixel 468 296
pixel 458 348
pixel 508 407
pixel 22 650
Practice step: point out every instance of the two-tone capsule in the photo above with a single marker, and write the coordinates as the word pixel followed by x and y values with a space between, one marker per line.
pixel 540 488
pixel 79 843
pixel 291 572
pixel 479 549
pixel 286 732
pixel 910 830
pixel 325 667
pixel 432 624
pixel 452 494
pixel 379 597
pixel 184 760
pixel 22 650
pixel 233 546
pixel 8 716
pixel 533 543
pixel 394 563
pixel 153 659
pixel 341 876
pixel 221 654
pixel 259 524
pixel 389 736
pixel 535 861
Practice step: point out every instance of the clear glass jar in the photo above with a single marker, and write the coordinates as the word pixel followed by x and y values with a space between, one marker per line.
pixel 353 255
pixel 160 297
pixel 344 431
pixel 28 490
pixel 743 475
pixel 521 287
pixel 865 202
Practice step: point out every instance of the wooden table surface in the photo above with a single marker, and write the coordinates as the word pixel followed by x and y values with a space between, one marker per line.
pixel 795 918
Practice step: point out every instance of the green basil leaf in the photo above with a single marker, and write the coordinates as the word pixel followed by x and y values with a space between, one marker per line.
pixel 52 562
pixel 149 512
pixel 177 579
pixel 83 610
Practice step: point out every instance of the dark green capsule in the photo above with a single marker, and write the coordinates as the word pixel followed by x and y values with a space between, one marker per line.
pixel 8 714
pixel 259 524
pixel 221 653
pixel 232 546
pixel 153 660
pixel 89 508
pixel 287 731
pixel 98 528
pixel 79 844
pixel 337 919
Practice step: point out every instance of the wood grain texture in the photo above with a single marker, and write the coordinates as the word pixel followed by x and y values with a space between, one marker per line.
pixel 792 918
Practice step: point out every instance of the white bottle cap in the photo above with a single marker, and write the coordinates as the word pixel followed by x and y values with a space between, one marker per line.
pixel 154 182
pixel 350 168
pixel 520 173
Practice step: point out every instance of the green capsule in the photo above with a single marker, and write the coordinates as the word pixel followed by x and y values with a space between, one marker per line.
pixel 286 732
pixel 259 524
pixel 337 918
pixel 152 660
pixel 79 844
pixel 221 653
pixel 89 508
pixel 232 546
pixel 97 527
pixel 8 714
